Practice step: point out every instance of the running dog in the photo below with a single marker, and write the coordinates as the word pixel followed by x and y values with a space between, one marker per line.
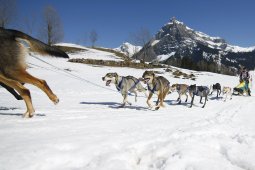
pixel 158 85
pixel 124 85
pixel 201 91
pixel 216 87
pixel 228 92
pixel 13 66
pixel 181 89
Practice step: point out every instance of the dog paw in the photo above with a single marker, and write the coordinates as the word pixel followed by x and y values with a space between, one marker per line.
pixel 156 108
pixel 56 101
pixel 28 115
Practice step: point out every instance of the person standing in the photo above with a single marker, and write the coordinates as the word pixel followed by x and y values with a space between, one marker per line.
pixel 245 77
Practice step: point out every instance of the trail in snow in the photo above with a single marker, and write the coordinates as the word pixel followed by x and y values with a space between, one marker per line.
pixel 87 130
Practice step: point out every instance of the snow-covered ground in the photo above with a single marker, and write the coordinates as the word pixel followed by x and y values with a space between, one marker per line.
pixel 90 53
pixel 87 130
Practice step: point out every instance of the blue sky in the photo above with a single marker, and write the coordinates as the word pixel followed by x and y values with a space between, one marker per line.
pixel 115 20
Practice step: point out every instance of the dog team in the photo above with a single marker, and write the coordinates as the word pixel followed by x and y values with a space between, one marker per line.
pixel 161 87
pixel 13 76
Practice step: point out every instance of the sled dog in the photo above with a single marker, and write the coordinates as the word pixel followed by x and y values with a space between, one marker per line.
pixel 216 87
pixel 181 89
pixel 124 85
pixel 13 66
pixel 228 92
pixel 158 85
pixel 12 91
pixel 201 91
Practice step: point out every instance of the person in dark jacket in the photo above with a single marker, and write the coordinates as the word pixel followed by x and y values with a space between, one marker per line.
pixel 245 77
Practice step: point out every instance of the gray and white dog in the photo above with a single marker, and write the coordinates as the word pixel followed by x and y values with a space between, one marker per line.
pixel 202 91
pixel 124 84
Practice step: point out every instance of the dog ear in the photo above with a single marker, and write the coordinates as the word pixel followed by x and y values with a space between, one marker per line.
pixel 153 73
pixel 115 74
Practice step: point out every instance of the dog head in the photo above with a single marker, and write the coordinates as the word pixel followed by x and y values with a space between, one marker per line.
pixel 110 78
pixel 192 87
pixel 216 86
pixel 173 88
pixel 226 90
pixel 147 77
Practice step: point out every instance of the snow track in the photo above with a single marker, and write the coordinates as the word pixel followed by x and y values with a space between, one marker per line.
pixel 88 131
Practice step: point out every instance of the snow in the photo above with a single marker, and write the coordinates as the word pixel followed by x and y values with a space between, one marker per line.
pixel 128 49
pixel 237 49
pixel 154 42
pixel 70 45
pixel 95 54
pixel 87 130
pixel 165 56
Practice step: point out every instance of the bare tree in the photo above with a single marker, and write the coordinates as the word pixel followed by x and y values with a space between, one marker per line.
pixel 52 29
pixel 93 36
pixel 30 23
pixel 7 12
pixel 142 37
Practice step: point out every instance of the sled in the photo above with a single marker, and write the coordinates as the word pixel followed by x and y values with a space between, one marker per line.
pixel 240 89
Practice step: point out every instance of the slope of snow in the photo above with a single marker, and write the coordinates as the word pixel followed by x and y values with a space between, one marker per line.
pixel 237 49
pixel 88 131
pixel 71 45
pixel 128 49
pixel 165 57
pixel 91 53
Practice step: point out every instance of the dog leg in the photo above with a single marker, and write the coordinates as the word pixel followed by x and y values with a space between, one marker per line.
pixel 205 102
pixel 24 92
pixel 158 102
pixel 192 100
pixel 125 100
pixel 148 100
pixel 225 97
pixel 12 91
pixel 135 96
pixel 201 100
pixel 161 100
pixel 24 77
pixel 186 97
pixel 164 96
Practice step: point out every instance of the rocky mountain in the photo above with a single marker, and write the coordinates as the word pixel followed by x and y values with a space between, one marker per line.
pixel 128 49
pixel 178 45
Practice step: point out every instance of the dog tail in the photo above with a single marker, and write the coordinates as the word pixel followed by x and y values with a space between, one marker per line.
pixel 36 45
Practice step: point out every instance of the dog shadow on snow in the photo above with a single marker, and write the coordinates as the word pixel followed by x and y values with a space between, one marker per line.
pixel 215 98
pixel 115 105
pixel 13 114
pixel 175 103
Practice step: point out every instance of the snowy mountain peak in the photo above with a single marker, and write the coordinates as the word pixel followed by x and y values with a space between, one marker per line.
pixel 128 49
pixel 178 39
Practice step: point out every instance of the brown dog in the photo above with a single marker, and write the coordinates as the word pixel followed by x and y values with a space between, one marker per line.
pixel 156 84
pixel 181 89
pixel 13 67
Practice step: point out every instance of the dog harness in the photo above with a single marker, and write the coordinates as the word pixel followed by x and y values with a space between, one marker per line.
pixel 120 84
pixel 155 87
